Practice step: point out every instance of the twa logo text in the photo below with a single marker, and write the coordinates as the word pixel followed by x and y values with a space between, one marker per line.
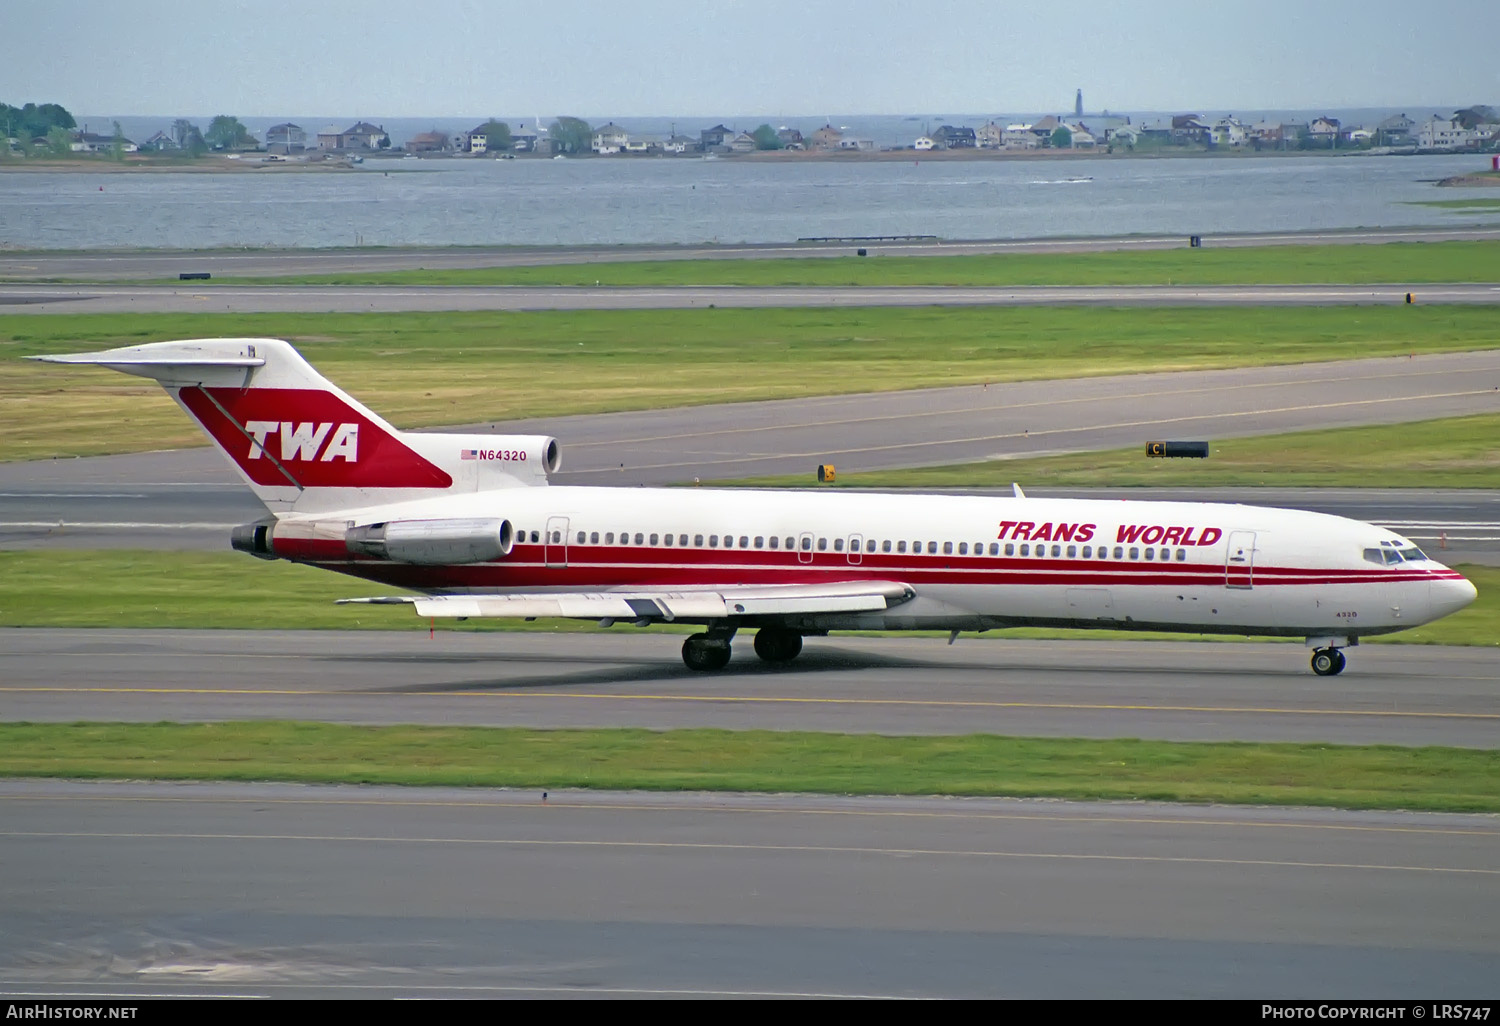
pixel 304 441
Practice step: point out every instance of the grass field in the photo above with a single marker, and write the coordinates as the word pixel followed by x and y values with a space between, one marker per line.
pixel 1397 262
pixel 428 369
pixel 122 589
pixel 1366 777
pixel 1452 452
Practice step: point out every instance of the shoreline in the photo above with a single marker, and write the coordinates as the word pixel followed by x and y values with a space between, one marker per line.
pixel 390 162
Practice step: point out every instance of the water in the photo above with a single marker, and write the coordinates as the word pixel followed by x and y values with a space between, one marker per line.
pixel 394 202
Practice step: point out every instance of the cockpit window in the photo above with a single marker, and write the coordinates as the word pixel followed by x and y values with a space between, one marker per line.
pixel 1391 552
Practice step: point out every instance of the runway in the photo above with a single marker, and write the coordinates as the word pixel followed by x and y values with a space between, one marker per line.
pixel 157 299
pixel 281 891
pixel 190 498
pixel 1404 695
pixel 111 265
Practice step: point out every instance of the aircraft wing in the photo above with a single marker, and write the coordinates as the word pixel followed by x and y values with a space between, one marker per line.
pixel 664 604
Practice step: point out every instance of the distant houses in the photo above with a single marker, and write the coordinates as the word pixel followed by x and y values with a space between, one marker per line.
pixel 609 139
pixel 287 139
pixel 429 142
pixel 1471 128
pixel 88 142
pixel 362 137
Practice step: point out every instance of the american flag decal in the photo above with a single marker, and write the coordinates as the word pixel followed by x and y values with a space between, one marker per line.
pixel 468 454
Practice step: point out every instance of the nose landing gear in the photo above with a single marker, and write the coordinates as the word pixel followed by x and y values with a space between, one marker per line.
pixel 1328 662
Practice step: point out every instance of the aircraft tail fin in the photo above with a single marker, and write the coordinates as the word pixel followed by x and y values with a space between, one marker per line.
pixel 302 443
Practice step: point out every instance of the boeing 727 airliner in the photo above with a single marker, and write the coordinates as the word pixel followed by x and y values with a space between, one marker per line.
pixel 471 524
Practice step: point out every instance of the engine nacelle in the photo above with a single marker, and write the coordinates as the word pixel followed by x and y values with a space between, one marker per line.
pixel 433 542
pixel 490 461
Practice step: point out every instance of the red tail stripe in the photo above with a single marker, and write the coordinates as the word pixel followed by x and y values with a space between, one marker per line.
pixel 375 458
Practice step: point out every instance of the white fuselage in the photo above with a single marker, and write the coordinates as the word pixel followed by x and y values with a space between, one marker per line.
pixel 973 562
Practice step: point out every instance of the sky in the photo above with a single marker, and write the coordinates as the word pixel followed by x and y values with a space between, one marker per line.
pixel 591 58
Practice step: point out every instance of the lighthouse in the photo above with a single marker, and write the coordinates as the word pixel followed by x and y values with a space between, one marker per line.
pixel 1078 105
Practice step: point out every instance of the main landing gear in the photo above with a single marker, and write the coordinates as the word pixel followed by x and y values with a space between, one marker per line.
pixel 710 651
pixel 777 644
pixel 1328 662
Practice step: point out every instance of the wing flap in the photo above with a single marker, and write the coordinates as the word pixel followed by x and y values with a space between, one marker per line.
pixel 714 603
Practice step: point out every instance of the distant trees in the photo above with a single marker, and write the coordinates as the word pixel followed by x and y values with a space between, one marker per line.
pixel 188 138
pixel 226 133
pixel 1061 139
pixel 571 135
pixel 33 121
pixel 496 134
pixel 766 138
pixel 59 141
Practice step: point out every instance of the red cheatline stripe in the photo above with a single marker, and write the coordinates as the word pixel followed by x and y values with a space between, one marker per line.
pixel 981 570
pixel 512 575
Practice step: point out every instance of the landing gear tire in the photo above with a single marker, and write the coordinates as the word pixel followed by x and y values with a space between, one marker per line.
pixel 702 652
pixel 777 645
pixel 1328 662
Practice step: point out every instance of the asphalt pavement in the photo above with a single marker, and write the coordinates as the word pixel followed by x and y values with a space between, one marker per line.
pixel 189 298
pixel 1179 691
pixel 133 890
pixel 148 265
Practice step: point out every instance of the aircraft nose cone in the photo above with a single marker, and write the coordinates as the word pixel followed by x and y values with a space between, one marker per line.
pixel 1449 596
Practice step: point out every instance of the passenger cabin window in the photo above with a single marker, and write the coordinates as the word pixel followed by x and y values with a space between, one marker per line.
pixel 609 538
pixel 869 544
pixel 995 548
pixel 963 548
pixel 729 541
pixel 1088 552
pixel 745 542
pixel 932 548
pixel 1072 551
pixel 901 546
pixel 1135 553
pixel 1010 548
pixel 667 539
pixel 1057 552
pixel 640 539
pixel 1182 555
pixel 1119 552
pixel 1025 549
pixel 1150 553
pixel 534 538
pixel 653 539
pixel 838 545
pixel 682 539
pixel 713 541
pixel 698 541
pixel 791 543
pixel 806 543
pixel 760 541
pixel 775 541
pixel 885 546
